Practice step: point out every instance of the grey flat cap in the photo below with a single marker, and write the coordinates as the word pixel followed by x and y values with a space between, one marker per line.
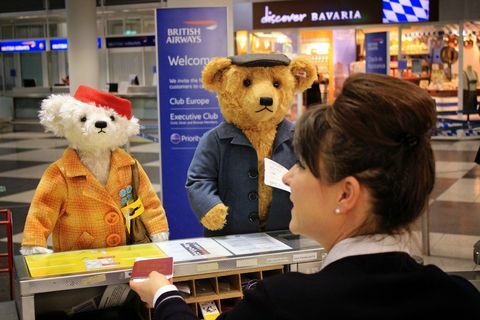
pixel 260 60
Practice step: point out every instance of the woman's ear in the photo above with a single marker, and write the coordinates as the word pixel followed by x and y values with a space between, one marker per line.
pixel 349 194
pixel 212 74
pixel 304 72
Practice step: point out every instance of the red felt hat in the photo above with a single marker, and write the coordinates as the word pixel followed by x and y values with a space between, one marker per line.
pixel 105 100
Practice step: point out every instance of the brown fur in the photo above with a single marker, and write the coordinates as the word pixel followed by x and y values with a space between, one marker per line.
pixel 216 217
pixel 239 104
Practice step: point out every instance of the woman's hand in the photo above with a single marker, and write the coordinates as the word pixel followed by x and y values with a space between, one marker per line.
pixel 147 288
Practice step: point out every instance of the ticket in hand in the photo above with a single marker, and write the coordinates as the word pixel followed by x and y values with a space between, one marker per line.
pixel 274 173
pixel 143 267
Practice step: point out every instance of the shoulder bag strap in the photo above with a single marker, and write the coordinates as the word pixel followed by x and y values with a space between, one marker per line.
pixel 135 180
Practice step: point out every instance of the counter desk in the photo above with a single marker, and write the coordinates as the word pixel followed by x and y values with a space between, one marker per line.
pixel 209 269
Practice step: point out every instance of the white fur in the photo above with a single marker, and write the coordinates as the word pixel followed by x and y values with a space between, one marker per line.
pixel 159 236
pixel 62 114
pixel 28 250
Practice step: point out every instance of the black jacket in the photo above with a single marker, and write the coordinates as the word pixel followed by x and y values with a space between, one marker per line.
pixel 374 286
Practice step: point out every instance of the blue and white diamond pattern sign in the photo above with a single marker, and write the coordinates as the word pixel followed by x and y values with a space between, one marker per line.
pixel 395 11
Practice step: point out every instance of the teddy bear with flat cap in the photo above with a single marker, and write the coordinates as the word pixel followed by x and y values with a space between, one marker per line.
pixel 87 198
pixel 225 180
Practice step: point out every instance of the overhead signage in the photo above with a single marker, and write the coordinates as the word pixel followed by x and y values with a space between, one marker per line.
pixel 288 14
pixel 395 11
pixel 22 46
pixel 188 38
pixel 61 44
pixel 294 14
pixel 376 52
pixel 128 42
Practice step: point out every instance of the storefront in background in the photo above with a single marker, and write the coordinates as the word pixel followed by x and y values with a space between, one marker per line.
pixel 441 58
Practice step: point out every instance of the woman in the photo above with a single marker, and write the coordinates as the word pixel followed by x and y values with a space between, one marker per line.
pixel 365 174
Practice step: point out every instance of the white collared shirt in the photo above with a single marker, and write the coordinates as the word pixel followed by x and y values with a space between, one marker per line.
pixel 369 244
pixel 162 290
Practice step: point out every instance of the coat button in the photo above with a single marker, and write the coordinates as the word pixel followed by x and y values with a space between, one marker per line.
pixel 113 240
pixel 252 173
pixel 253 196
pixel 111 218
pixel 253 217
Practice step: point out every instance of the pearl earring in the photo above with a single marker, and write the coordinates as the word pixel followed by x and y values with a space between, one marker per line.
pixel 337 210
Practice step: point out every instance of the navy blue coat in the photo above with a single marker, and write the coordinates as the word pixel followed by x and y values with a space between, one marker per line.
pixel 224 169
pixel 372 286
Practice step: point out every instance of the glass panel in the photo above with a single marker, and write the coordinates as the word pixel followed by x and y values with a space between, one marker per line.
pixel 150 69
pixel 1 75
pixel 430 57
pixel 266 42
pixel 56 4
pixel 132 26
pixel 124 63
pixel 29 31
pixel 7 32
pixel 471 69
pixel 9 70
pixel 58 69
pixel 53 30
pixel 31 65
pixel 318 45
pixel 114 27
pixel 148 26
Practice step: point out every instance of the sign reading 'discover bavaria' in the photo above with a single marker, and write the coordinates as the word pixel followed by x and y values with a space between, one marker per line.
pixel 290 14
pixel 187 39
pixel 294 14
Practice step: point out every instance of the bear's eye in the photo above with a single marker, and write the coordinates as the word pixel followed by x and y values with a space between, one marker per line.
pixel 112 118
pixel 276 84
pixel 83 119
pixel 247 82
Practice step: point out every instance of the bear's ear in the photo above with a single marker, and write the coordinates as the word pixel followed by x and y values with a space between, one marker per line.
pixel 304 72
pixel 212 74
pixel 133 127
pixel 50 113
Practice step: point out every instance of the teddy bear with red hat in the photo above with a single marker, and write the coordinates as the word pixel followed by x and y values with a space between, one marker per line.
pixel 84 199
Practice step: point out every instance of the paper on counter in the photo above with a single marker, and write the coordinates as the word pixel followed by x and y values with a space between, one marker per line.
pixel 193 249
pixel 274 173
pixel 251 243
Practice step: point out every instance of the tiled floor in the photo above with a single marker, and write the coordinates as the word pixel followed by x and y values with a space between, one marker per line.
pixel 25 152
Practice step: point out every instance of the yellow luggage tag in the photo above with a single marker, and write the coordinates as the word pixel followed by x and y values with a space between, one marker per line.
pixel 136 208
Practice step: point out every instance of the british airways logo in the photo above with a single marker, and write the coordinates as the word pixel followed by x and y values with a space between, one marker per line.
pixel 190 34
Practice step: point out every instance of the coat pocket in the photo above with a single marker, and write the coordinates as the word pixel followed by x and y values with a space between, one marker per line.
pixel 84 241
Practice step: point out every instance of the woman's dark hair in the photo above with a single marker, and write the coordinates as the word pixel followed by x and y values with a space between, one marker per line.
pixel 313 95
pixel 378 132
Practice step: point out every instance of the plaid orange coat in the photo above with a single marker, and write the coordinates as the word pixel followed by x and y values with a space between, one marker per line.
pixel 81 213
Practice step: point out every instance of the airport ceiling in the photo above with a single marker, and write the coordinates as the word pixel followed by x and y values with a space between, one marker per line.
pixel 41 5
pixel 38 5
pixel 35 11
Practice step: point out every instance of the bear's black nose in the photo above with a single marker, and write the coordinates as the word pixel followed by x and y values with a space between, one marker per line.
pixel 266 101
pixel 100 124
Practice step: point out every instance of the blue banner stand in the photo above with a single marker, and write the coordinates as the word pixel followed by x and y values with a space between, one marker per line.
pixel 187 39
